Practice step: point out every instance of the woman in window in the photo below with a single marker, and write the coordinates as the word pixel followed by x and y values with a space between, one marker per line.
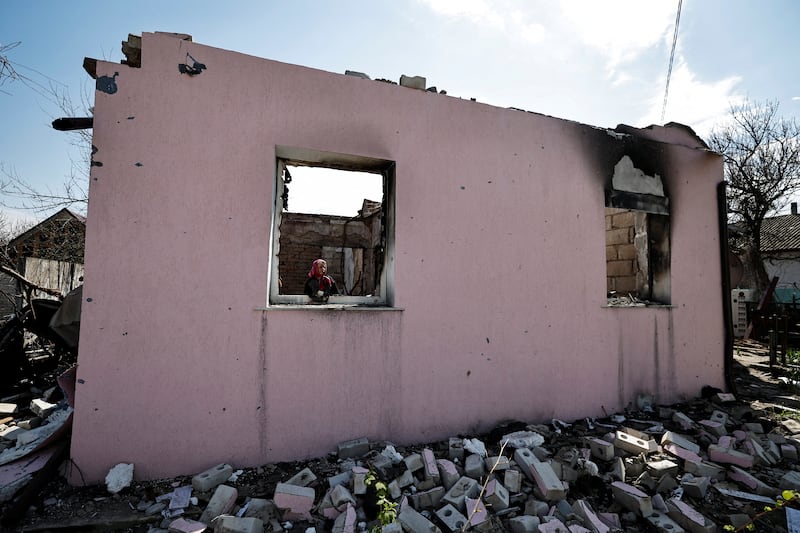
pixel 319 284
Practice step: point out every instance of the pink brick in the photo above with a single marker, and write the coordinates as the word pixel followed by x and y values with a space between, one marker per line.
pixel 681 453
pixel 727 441
pixel 183 525
pixel 296 501
pixel 429 462
pixel 585 511
pixel 733 457
pixel 632 498
pixel 553 526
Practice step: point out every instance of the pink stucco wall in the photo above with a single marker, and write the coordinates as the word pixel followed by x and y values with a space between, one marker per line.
pixel 499 272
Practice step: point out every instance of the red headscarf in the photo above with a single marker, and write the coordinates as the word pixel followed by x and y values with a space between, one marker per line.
pixel 316 272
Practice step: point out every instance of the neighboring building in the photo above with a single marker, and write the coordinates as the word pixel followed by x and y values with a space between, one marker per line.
pixel 492 266
pixel 780 249
pixel 50 254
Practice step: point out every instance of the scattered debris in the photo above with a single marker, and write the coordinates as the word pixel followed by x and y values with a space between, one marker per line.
pixel 644 470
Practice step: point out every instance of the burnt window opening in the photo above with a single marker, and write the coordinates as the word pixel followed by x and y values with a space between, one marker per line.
pixel 339 208
pixel 637 225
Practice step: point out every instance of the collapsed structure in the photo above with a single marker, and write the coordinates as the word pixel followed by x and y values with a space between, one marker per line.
pixel 499 236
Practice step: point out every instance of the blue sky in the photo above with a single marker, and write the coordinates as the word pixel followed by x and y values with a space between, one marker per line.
pixel 596 62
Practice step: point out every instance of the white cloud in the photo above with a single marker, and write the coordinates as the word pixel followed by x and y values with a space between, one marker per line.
pixel 693 102
pixel 477 11
pixel 795 97
pixel 621 30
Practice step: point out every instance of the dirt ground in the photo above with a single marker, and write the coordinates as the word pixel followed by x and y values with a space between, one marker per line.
pixel 761 397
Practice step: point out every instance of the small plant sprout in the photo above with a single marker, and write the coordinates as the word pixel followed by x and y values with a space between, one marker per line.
pixel 387 509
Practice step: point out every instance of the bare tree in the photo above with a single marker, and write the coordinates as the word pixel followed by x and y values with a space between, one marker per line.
pixel 761 151
pixel 19 192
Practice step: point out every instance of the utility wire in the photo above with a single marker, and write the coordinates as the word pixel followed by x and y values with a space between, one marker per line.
pixel 671 59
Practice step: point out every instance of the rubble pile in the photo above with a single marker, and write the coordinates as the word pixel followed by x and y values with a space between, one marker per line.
pixel 712 463
pixel 694 467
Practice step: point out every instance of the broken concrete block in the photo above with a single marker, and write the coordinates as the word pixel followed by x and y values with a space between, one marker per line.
pixel 303 478
pixel 704 468
pixel 719 416
pixel 683 421
pixel 473 466
pixel 695 487
pixel 754 427
pixel 119 477
pixel 295 501
pixel 632 498
pixel 360 480
pixel 405 479
pixel 496 495
pixel 8 408
pixel 512 479
pixel 346 522
pixel 553 525
pixel 715 428
pixel 600 448
pixel 448 473
pixel 674 438
pixel 590 519
pixel 498 463
pixel 343 478
pixel 11 433
pixel 660 468
pixel 682 453
pixel 451 518
pixel 430 469
pixel 264 510
pixel 464 487
pixel 394 489
pixel 476 512
pixel 719 454
pixel 524 524
pixel 42 408
pixel 789 452
pixel 394 527
pixel 340 497
pixel 216 475
pixel 183 525
pixel 790 481
pixel 540 473
pixel 751 482
pixel 534 507
pixel 664 524
pixel 353 448
pixel 235 524
pixel 356 74
pixel 414 82
pixel 688 518
pixel 635 444
pixel 221 502
pixel 411 520
pixel 427 499
pixel 666 483
pixel 456 448
pixel 413 462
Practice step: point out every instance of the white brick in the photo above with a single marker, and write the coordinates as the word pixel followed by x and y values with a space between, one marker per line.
pixel 632 498
pixel 221 502
pixel 411 520
pixel 216 475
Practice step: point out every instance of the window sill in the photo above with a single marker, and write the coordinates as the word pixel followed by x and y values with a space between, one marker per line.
pixel 327 307
pixel 640 306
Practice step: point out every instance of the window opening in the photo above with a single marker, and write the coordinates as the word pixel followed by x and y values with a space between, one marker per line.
pixel 637 238
pixel 338 208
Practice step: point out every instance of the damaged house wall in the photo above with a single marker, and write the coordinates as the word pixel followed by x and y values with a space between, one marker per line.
pixel 496 302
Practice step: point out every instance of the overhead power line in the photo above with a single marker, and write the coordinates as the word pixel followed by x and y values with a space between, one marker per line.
pixel 671 59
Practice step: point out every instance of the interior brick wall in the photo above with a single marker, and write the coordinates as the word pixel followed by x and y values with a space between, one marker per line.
pixel 621 257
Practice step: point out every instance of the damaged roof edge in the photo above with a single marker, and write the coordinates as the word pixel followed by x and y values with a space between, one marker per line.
pixel 671 133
